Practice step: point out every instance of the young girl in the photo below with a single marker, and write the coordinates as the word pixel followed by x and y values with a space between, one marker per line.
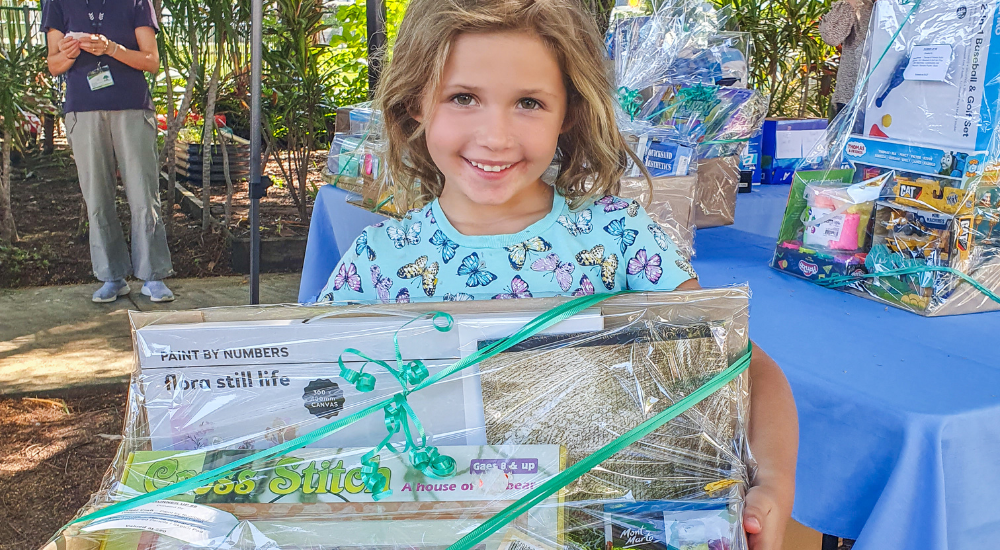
pixel 479 98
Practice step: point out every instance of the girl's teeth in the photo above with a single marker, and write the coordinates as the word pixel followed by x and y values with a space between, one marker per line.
pixel 488 168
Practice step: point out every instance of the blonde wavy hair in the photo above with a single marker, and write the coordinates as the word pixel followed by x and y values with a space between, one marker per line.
pixel 592 153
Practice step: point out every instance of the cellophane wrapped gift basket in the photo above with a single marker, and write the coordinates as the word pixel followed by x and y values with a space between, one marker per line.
pixel 614 421
pixel 683 100
pixel 905 208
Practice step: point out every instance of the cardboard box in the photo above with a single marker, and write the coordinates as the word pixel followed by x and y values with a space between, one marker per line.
pixel 784 146
pixel 715 197
pixel 938 83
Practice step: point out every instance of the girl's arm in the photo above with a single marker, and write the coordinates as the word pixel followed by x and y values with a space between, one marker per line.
pixel 774 441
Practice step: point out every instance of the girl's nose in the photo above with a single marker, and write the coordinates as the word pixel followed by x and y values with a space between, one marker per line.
pixel 494 132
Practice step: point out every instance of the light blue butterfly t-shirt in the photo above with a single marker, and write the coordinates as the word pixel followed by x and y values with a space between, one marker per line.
pixel 607 245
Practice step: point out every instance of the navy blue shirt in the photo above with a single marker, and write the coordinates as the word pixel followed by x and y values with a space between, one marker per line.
pixel 121 18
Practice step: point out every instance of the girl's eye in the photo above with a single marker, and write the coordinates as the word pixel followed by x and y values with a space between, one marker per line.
pixel 462 99
pixel 528 103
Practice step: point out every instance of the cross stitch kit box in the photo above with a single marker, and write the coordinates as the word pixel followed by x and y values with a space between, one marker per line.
pixel 939 80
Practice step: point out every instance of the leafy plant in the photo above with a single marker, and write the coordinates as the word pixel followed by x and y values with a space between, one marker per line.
pixel 790 61
pixel 22 89
pixel 301 84
pixel 349 47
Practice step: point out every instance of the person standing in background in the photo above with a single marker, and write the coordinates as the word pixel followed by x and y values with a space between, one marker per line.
pixel 846 26
pixel 103 47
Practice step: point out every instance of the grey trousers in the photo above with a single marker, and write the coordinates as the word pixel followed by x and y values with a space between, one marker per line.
pixel 98 138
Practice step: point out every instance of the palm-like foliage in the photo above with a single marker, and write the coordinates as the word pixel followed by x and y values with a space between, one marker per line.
pixel 790 61
pixel 22 87
pixel 300 77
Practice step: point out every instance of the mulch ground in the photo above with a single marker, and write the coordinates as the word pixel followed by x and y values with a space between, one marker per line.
pixel 53 244
pixel 53 454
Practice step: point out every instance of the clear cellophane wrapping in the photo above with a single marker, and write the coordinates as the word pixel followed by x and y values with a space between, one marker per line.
pixel 683 101
pixel 909 170
pixel 217 385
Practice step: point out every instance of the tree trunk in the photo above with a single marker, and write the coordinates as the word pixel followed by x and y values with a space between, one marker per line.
pixel 206 146
pixel 229 180
pixel 174 124
pixel 805 94
pixel 8 231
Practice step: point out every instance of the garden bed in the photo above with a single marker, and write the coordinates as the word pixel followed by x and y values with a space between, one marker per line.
pixel 47 201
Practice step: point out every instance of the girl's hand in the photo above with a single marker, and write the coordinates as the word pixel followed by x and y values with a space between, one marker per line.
pixel 97 45
pixel 764 519
pixel 70 47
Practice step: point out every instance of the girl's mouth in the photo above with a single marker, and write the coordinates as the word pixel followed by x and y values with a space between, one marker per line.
pixel 490 167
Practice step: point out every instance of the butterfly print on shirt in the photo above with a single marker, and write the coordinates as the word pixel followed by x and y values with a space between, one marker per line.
pixel 562 271
pixel 426 273
pixel 518 289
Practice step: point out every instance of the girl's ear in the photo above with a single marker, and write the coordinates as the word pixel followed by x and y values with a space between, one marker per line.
pixel 415 113
pixel 569 120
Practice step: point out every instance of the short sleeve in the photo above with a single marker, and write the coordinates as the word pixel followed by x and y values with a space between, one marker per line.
pixel 655 262
pixel 351 279
pixel 52 17
pixel 144 15
pixel 354 280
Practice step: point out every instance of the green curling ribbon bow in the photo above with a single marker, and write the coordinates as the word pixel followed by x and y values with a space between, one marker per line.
pixel 398 413
pixel 630 101
pixel 698 99
pixel 538 324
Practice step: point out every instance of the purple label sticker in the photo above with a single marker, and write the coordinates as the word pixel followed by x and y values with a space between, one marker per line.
pixel 506 465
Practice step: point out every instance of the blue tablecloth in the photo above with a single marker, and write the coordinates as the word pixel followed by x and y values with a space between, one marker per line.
pixel 334 226
pixel 899 414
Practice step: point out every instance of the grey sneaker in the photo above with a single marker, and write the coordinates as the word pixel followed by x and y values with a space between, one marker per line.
pixel 157 292
pixel 111 291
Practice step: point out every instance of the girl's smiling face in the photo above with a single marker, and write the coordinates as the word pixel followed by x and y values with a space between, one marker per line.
pixel 496 119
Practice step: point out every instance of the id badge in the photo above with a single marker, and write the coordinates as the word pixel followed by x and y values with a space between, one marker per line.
pixel 100 78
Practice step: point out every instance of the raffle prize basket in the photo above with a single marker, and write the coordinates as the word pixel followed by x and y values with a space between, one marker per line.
pixel 905 205
pixel 606 421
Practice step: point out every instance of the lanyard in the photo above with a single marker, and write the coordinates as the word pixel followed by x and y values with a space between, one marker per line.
pixel 96 23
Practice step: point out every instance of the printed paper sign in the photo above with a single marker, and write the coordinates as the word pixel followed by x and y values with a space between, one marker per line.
pixel 192 523
pixel 929 63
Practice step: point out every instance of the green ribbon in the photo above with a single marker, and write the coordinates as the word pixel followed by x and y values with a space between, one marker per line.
pixel 399 414
pixel 844 280
pixel 699 99
pixel 545 320
pixel 630 101
pixel 577 470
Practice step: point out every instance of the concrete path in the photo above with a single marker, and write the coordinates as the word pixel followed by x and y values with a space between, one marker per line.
pixel 55 337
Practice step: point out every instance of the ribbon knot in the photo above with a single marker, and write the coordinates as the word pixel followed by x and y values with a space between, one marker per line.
pixel 363 381
pixel 414 372
pixel 699 99
pixel 630 101
pixel 399 416
pixel 373 480
pixel 432 463
pixel 395 416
